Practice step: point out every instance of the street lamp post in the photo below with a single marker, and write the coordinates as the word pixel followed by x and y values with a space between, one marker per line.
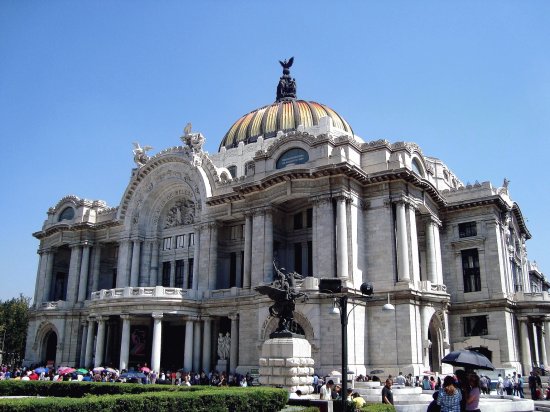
pixel 334 286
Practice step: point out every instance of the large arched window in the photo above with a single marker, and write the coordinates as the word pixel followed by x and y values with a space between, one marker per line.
pixel 417 168
pixel 67 214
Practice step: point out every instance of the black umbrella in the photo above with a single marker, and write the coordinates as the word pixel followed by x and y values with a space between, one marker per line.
pixel 468 359
pixel 376 371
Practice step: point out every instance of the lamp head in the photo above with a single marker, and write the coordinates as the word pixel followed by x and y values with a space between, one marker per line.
pixel 367 289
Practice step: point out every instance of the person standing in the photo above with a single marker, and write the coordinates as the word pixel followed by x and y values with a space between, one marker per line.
pixel 472 402
pixel 500 385
pixel 449 396
pixel 533 385
pixel 387 394
pixel 325 392
pixel 520 386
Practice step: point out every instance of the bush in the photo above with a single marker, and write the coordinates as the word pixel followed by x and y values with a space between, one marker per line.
pixel 378 407
pixel 137 398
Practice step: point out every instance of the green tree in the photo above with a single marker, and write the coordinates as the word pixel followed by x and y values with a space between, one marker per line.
pixel 14 320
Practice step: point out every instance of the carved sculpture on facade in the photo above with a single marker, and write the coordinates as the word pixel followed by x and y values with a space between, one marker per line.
pixel 224 345
pixel 286 89
pixel 193 141
pixel 283 291
pixel 182 213
pixel 140 154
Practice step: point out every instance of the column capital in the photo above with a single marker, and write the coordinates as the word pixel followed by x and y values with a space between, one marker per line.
pixel 233 316
pixel 125 316
pixel 319 200
pixel 101 319
pixel 343 197
pixel 157 315
pixel 429 218
pixel 191 318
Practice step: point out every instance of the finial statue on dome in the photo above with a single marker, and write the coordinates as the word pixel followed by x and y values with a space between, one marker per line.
pixel 286 89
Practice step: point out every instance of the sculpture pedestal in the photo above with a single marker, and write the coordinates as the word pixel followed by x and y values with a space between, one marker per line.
pixel 286 362
pixel 222 366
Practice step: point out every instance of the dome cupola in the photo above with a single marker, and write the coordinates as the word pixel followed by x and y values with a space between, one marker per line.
pixel 284 115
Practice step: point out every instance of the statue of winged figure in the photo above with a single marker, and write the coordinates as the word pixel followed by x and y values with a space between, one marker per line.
pixel 284 294
pixel 140 154
pixel 287 64
pixel 194 141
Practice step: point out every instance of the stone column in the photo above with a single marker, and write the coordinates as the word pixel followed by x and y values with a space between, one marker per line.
pixel 234 348
pixel 39 287
pixel 122 279
pixel 196 257
pixel 207 344
pixel 323 237
pixel 431 265
pixel 247 250
pixel 402 245
pixel 83 281
pixel 341 238
pixel 188 351
pixel 154 277
pixel 535 353
pixel 542 346
pixel 108 348
pixel 89 343
pixel 134 272
pixel 47 296
pixel 257 262
pixel 74 269
pixel 125 342
pixel 96 267
pixel 526 362
pixel 82 358
pixel 157 342
pixel 414 244
pixel 100 341
pixel 197 347
pixel 438 259
pixel 172 273
pixel 213 260
pixel 546 324
pixel 268 245
pixel 145 266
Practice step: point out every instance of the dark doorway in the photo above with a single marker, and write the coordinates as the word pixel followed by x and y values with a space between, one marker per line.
pixel 173 344
pixel 51 348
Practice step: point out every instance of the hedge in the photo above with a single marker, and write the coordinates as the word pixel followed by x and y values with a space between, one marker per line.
pixel 144 398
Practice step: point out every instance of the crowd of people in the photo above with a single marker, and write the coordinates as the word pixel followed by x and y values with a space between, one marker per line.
pixel 141 374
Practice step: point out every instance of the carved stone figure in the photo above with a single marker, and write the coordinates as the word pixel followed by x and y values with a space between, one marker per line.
pixel 224 346
pixel 194 141
pixel 140 154
pixel 283 291
pixel 182 213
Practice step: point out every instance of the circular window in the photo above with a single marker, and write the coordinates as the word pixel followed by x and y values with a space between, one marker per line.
pixel 67 214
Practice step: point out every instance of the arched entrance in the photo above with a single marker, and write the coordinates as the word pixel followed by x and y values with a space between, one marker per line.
pixel 50 348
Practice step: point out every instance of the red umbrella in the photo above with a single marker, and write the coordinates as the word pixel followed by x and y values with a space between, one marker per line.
pixel 145 369
pixel 66 371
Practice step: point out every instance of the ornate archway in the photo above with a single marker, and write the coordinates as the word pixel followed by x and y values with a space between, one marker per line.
pixel 49 348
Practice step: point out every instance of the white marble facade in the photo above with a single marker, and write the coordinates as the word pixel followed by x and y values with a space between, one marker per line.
pixel 157 278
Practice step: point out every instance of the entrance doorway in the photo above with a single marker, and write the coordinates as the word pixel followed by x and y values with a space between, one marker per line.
pixel 50 348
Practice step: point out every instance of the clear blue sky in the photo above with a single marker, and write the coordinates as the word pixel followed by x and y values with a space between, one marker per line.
pixel 468 81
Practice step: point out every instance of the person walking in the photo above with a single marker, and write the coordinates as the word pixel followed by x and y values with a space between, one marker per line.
pixel 449 396
pixel 387 394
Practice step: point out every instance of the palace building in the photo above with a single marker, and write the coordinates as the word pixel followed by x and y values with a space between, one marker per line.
pixel 157 278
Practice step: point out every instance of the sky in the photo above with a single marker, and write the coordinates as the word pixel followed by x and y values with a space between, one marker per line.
pixel 468 81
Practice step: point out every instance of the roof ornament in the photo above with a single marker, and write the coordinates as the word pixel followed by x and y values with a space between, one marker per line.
pixel 140 154
pixel 194 141
pixel 286 89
